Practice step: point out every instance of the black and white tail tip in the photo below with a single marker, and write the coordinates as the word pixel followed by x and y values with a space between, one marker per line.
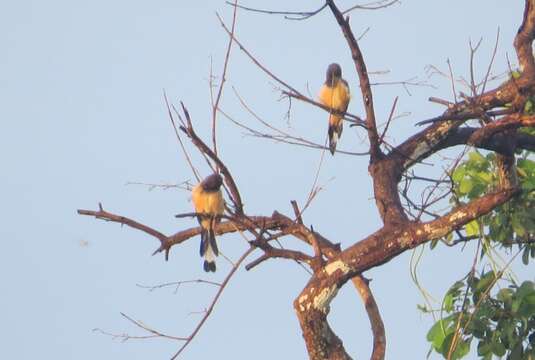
pixel 334 134
pixel 208 250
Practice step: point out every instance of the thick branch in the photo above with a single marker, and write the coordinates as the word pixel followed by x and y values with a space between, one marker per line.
pixel 510 122
pixel 376 322
pixel 259 222
pixel 497 142
pixel 524 39
pixel 312 305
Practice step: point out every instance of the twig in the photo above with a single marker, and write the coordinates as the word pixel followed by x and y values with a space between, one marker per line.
pixel 290 15
pixel 491 61
pixel 452 81
pixel 441 101
pixel 473 51
pixel 229 180
pixel 214 301
pixel 177 284
pixel 286 137
pixel 389 120
pixel 223 78
pixel 195 173
pixel 372 6
pixel 292 91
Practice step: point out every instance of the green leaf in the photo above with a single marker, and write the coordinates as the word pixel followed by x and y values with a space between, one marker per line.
pixel 515 74
pixel 439 330
pixel 458 174
pixel 527 288
pixel 505 295
pixel 472 228
pixel 462 349
pixel 528 107
pixel 530 299
pixel 476 157
pixel 498 349
pixel 522 172
pixel 516 305
pixel 466 185
pixel 516 354
pixel 484 348
pixel 485 176
pixel 486 281
pixel 518 227
pixel 448 302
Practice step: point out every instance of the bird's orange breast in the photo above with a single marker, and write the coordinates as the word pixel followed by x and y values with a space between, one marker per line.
pixel 207 202
pixel 336 97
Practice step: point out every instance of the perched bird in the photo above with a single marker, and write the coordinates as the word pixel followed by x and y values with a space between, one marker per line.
pixel 209 204
pixel 335 94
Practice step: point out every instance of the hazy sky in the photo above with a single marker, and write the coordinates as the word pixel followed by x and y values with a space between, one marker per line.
pixel 82 114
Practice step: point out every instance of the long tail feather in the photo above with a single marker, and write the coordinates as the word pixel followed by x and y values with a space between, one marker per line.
pixel 208 248
pixel 204 242
pixel 333 138
pixel 335 131
pixel 213 243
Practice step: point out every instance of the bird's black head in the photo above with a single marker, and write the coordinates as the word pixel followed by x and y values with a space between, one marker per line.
pixel 334 72
pixel 212 183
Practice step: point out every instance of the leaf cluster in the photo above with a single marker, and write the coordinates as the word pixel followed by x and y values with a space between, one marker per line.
pixel 502 323
pixel 510 224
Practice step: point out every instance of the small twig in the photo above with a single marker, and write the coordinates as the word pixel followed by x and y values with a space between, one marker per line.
pixel 223 78
pixel 389 120
pixel 381 4
pixel 195 173
pixel 491 62
pixel 146 328
pixel 414 177
pixel 203 148
pixel 353 119
pixel 441 101
pixel 473 51
pixel 183 185
pixel 452 81
pixel 290 15
pixel 214 301
pixel 177 284
pixel 286 137
pixel 292 91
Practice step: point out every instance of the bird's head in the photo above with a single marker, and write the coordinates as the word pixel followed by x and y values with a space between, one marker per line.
pixel 212 183
pixel 334 73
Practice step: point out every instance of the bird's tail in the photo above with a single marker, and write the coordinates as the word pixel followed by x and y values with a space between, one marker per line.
pixel 335 131
pixel 208 248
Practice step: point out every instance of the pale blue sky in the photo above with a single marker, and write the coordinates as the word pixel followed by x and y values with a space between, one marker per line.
pixel 82 114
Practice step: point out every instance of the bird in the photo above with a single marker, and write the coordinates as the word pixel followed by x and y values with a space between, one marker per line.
pixel 335 94
pixel 209 205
